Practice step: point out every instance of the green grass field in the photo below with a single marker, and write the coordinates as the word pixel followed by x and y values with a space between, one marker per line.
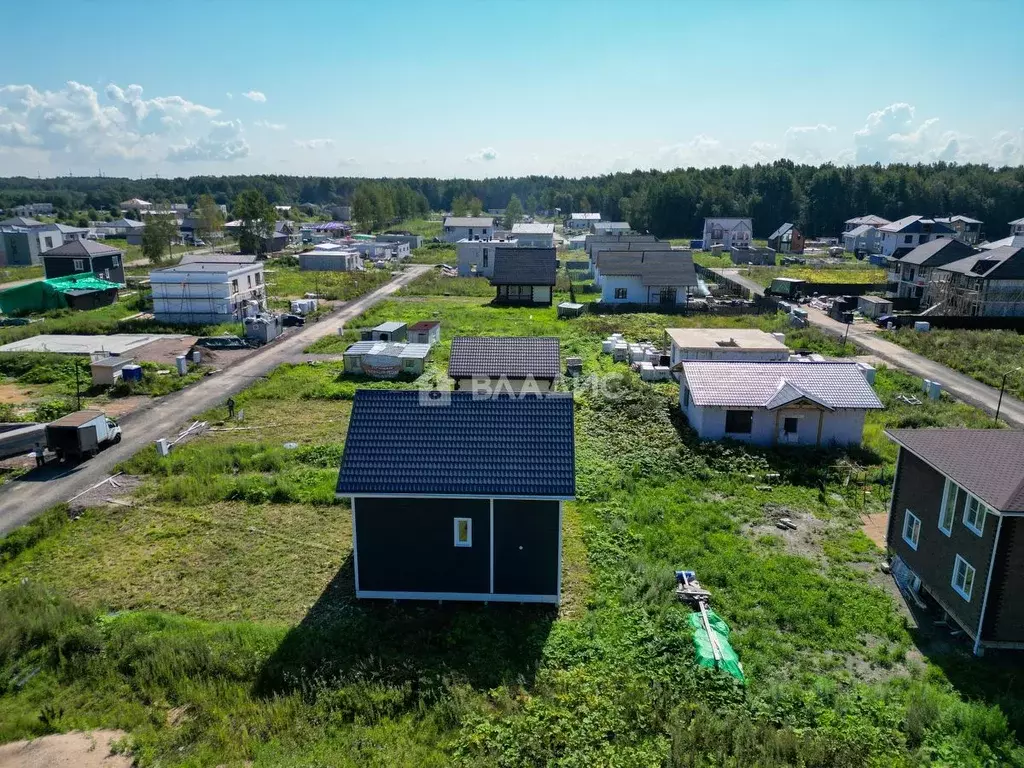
pixel 286 281
pixel 14 274
pixel 864 273
pixel 982 355
pixel 214 619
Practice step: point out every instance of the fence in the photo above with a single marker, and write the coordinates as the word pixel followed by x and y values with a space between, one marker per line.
pixel 726 283
pixel 963 322
pixel 761 306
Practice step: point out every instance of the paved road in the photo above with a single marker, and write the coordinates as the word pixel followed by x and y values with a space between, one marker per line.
pixel 864 335
pixel 23 499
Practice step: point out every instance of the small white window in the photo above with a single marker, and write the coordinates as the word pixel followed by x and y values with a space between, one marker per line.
pixel 974 515
pixel 949 497
pixel 463 532
pixel 911 529
pixel 79 265
pixel 115 260
pixel 963 578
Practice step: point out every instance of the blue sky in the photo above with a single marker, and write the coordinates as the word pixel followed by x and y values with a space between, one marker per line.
pixel 458 88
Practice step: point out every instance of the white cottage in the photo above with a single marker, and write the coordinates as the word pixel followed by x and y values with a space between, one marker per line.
pixel 467 228
pixel 798 403
pixel 728 232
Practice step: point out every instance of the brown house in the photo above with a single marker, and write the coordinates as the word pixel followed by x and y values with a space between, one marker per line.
pixel 786 239
pixel 956 527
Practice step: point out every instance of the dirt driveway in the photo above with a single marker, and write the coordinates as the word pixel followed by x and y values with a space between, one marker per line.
pixel 65 750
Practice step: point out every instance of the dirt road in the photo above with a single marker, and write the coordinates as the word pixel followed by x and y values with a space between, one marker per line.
pixel 24 498
pixel 865 336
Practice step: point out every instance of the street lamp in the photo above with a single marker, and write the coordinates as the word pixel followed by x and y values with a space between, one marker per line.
pixel 1002 386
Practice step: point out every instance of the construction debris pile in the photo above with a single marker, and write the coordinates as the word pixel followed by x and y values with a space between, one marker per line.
pixel 645 358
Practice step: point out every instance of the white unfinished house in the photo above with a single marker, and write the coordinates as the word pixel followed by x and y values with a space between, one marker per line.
pixel 748 345
pixel 582 222
pixel 728 232
pixel 208 292
pixel 798 403
pixel 476 257
pixel 467 228
pixel 534 234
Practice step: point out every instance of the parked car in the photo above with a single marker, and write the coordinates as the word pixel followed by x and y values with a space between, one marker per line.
pixel 292 320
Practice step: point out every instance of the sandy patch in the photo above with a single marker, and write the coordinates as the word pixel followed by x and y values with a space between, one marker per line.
pixel 875 526
pixel 804 541
pixel 117 491
pixel 123 405
pixel 78 749
pixel 13 393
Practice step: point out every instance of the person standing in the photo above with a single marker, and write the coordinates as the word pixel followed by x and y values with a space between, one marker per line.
pixel 231 407
pixel 40 459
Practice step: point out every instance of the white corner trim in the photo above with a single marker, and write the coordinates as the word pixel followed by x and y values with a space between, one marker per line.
pixel 988 582
pixel 355 547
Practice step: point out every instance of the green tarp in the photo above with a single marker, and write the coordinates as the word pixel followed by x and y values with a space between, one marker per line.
pixel 729 662
pixel 41 295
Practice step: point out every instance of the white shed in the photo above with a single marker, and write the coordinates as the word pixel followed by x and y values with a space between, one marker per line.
pixel 385 360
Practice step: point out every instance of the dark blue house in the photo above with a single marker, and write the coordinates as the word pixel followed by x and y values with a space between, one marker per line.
pixel 456 497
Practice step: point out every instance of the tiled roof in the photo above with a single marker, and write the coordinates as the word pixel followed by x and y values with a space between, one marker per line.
pixel 462 446
pixel 524 266
pixel 653 267
pixel 987 462
pixel 80 248
pixel 514 357
pixel 469 221
pixel 1003 263
pixel 780 231
pixel 935 253
pixel 859 230
pixel 424 325
pixel 869 219
pixel 767 385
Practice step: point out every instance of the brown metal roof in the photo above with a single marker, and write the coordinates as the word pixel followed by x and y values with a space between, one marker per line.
pixel 76 419
pixel 987 462
pixel 424 325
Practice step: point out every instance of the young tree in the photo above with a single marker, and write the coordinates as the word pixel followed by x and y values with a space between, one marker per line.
pixel 157 236
pixel 211 220
pixel 460 205
pixel 257 217
pixel 513 212
pixel 475 206
pixel 531 204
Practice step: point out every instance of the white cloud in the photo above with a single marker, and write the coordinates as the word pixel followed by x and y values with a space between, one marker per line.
pixel 224 142
pixel 347 161
pixel 270 126
pixel 811 143
pixel 229 95
pixel 76 125
pixel 487 154
pixel 258 96
pixel 314 143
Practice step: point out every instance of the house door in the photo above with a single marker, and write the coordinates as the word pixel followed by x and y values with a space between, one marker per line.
pixel 667 296
pixel 526 535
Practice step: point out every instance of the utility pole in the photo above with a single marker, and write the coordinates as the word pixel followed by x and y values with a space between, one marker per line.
pixel 1002 387
pixel 78 385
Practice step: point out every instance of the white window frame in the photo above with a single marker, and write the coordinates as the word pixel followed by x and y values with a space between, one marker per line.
pixel 981 509
pixel 116 261
pixel 469 532
pixel 964 593
pixel 951 490
pixel 78 265
pixel 914 522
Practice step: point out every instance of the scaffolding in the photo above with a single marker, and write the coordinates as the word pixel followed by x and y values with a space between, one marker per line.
pixel 974 295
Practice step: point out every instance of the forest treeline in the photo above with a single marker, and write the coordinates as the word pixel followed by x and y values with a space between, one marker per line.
pixel 666 203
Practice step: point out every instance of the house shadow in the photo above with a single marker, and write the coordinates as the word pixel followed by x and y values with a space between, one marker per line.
pixel 995 679
pixel 418 647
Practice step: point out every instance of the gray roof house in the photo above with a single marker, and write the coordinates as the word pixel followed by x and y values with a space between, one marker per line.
pixel 524 276
pixel 77 257
pixel 511 363
pixel 646 277
pixel 988 284
pixel 911 276
pixel 457 228
pixel 956 527
pixel 462 501
pixel 773 403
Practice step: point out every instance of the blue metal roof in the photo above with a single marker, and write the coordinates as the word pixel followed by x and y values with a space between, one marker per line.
pixel 459 445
